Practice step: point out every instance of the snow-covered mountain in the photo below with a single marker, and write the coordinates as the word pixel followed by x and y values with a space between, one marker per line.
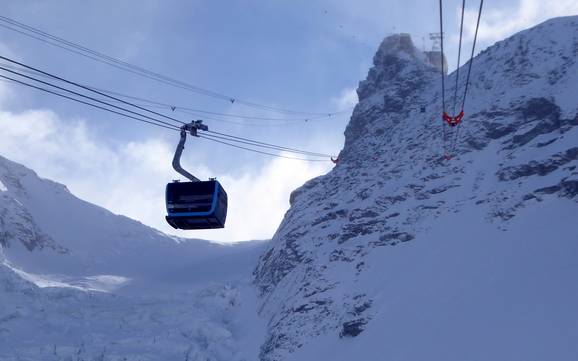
pixel 78 282
pixel 396 254
pixel 45 229
pixel 399 254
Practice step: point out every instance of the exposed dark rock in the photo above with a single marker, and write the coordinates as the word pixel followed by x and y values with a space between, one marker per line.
pixel 503 214
pixel 544 144
pixel 540 168
pixel 441 189
pixel 528 197
pixel 476 143
pixel 362 213
pixel 18 226
pixel 393 238
pixel 567 188
pixel 352 328
pixel 304 308
pixel 359 309
pixel 359 229
pixel 497 130
pixel 540 109
pixel 339 255
pixel 309 185
pixel 329 217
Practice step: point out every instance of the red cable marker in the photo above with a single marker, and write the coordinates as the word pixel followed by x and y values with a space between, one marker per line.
pixel 453 121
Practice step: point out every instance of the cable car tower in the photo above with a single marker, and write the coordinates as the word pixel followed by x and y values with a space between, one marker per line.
pixel 436 39
pixel 435 55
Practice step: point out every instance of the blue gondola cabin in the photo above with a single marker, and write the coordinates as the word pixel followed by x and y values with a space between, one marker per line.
pixel 196 205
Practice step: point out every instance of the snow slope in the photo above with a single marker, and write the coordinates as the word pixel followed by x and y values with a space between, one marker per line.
pixel 483 295
pixel 78 282
pixel 203 322
pixel 47 230
pixel 398 254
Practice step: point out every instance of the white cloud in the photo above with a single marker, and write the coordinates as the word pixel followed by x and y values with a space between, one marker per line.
pixel 347 99
pixel 499 22
pixel 130 178
pixel 258 201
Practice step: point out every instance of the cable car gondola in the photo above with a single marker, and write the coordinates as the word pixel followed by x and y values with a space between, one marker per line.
pixel 196 204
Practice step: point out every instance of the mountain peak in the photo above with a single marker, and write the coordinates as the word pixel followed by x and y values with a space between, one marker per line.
pixel 395 60
pixel 397 44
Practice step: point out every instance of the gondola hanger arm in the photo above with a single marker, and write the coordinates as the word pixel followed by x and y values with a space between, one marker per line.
pixel 191 128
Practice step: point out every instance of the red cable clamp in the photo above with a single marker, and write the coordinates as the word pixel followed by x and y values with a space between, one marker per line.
pixel 453 121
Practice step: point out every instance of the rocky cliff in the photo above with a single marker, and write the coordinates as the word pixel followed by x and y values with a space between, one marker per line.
pixel 514 178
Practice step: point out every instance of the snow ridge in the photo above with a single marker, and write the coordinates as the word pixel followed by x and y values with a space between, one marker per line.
pixel 516 153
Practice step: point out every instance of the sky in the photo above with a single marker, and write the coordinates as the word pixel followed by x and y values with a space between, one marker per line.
pixel 299 55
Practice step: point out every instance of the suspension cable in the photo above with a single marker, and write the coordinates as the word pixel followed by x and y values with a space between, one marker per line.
pixel 442 58
pixel 229 115
pixel 192 111
pixel 454 139
pixel 86 103
pixel 459 57
pixel 456 120
pixel 83 95
pixel 204 136
pixel 99 57
pixel 154 121
pixel 223 119
pixel 268 147
pixel 469 72
pixel 120 64
pixel 88 89
pixel 173 128
pixel 472 54
pixel 258 143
